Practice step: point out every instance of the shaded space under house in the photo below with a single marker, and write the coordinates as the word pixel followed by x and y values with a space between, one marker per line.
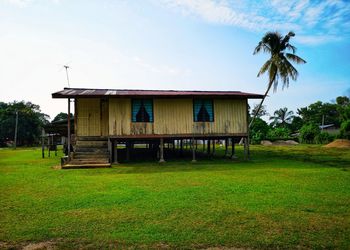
pixel 55 133
pixel 115 125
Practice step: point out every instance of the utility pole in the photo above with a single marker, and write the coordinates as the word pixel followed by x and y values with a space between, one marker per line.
pixel 15 143
pixel 67 67
pixel 322 122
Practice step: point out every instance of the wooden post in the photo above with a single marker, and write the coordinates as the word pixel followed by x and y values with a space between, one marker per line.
pixel 181 147
pixel 43 142
pixel 127 147
pixel 233 153
pixel 68 136
pixel 16 126
pixel 110 150
pixel 115 152
pixel 203 145
pixel 208 149
pixel 214 147
pixel 193 151
pixel 161 151
pixel 226 147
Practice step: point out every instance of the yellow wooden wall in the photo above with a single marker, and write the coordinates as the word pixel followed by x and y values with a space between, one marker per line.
pixel 88 117
pixel 175 117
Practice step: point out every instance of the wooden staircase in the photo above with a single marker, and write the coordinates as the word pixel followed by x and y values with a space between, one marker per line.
pixel 89 152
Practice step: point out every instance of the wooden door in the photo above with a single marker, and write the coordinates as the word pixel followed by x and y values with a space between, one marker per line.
pixel 89 117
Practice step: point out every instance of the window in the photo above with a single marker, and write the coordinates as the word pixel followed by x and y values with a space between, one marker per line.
pixel 142 110
pixel 203 110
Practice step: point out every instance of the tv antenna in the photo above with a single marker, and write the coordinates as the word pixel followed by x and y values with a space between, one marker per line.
pixel 67 67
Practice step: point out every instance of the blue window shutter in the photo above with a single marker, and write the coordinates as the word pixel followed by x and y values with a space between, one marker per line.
pixel 207 104
pixel 197 107
pixel 136 105
pixel 148 104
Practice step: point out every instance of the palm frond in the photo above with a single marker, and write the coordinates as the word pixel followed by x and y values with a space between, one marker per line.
pixel 261 47
pixel 291 47
pixel 265 67
pixel 295 58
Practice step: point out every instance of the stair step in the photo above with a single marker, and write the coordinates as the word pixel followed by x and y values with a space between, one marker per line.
pixel 90 157
pixel 90 149
pixel 90 161
pixel 91 144
pixel 91 138
pixel 94 152
pixel 88 165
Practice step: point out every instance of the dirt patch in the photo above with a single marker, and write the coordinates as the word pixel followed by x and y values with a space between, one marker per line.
pixel 339 143
pixel 279 143
pixel 47 245
pixel 57 167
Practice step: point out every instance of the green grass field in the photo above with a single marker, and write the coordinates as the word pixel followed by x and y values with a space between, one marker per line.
pixel 285 197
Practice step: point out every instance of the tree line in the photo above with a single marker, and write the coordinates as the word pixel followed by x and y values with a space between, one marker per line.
pixel 304 126
pixel 29 125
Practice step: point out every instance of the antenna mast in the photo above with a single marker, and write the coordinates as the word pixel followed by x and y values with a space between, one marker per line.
pixel 67 67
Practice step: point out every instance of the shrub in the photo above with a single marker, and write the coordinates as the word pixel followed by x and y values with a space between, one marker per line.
pixel 345 129
pixel 258 131
pixel 278 133
pixel 309 132
pixel 324 138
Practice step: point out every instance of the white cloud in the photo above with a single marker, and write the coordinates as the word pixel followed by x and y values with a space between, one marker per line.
pixel 329 18
pixel 24 3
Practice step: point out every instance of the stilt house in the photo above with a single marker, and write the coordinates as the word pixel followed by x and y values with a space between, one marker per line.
pixel 106 119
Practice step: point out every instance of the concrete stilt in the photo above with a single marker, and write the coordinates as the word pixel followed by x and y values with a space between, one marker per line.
pixel 161 151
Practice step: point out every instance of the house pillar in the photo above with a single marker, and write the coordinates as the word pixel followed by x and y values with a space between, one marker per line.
pixel 181 147
pixel 110 150
pixel 115 152
pixel 161 151
pixel 214 147
pixel 208 149
pixel 226 147
pixel 193 150
pixel 233 152
pixel 127 147
pixel 68 127
pixel 245 148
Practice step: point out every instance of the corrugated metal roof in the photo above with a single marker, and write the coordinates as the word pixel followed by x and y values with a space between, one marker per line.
pixel 82 92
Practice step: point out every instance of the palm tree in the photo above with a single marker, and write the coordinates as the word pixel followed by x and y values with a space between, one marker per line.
pixel 278 66
pixel 282 116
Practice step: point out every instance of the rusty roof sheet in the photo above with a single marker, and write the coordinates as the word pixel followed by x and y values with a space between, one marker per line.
pixel 82 92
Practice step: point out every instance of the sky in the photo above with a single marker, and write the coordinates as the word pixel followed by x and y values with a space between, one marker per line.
pixel 169 44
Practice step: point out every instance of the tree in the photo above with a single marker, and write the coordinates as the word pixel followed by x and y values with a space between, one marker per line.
pixel 61 116
pixel 278 66
pixel 30 120
pixel 282 117
pixel 319 113
pixel 262 111
pixel 309 132
pixel 296 124
pixel 258 131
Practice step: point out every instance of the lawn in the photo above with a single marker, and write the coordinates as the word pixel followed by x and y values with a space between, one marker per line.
pixel 285 197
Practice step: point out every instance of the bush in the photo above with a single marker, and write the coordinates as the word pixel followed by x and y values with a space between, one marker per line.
pixel 258 131
pixel 324 138
pixel 309 132
pixel 345 130
pixel 280 133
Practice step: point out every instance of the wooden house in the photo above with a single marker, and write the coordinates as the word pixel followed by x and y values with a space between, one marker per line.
pixel 111 117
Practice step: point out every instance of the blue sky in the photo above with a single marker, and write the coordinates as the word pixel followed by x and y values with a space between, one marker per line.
pixel 169 44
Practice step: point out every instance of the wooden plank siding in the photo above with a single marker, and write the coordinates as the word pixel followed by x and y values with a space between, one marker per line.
pixel 88 117
pixel 175 117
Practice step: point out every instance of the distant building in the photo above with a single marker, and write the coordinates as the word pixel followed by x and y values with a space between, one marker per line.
pixel 330 128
